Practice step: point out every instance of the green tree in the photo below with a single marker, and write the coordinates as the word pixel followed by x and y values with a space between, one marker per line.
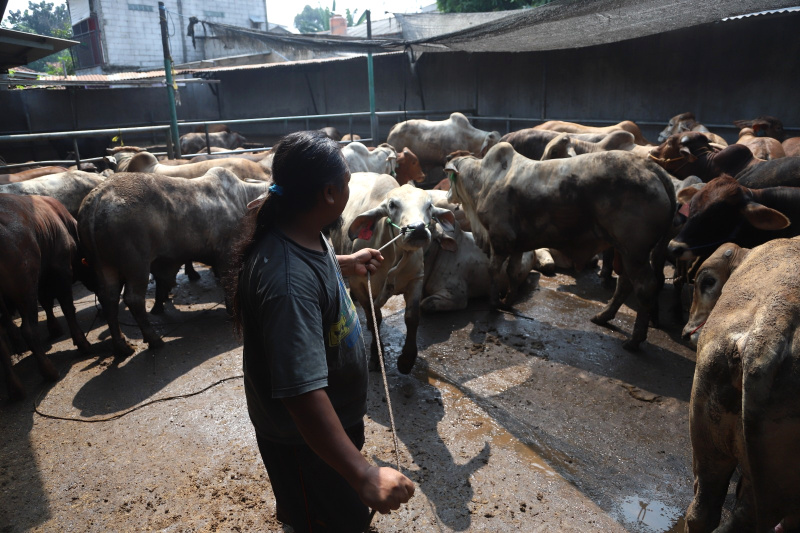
pixel 313 19
pixel 481 6
pixel 45 18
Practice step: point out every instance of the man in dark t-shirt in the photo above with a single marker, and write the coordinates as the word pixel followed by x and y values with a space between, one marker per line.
pixel 305 363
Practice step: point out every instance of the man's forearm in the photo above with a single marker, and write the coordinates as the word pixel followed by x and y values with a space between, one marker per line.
pixel 323 432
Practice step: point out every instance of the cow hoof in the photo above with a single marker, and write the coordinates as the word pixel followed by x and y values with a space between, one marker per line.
pixel 631 345
pixel 156 343
pixel 84 347
pixel 609 283
pixel 600 320
pixel 123 350
pixel 16 392
pixel 54 331
pixel 406 363
pixel 158 309
pixel 49 372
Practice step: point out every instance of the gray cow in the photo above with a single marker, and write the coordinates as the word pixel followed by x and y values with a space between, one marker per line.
pixel 135 224
pixel 580 206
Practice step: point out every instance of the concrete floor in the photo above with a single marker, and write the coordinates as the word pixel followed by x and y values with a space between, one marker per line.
pixel 533 421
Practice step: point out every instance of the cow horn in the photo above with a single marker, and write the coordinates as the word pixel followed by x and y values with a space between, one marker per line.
pixel 684 139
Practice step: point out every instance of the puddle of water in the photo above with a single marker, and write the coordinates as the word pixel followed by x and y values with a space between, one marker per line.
pixel 651 516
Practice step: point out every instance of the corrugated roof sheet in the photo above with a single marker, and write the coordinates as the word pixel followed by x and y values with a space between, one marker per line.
pixel 760 13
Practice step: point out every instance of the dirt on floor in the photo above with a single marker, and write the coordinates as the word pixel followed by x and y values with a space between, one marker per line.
pixel 535 420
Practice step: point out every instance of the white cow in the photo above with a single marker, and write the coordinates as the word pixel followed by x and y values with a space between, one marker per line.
pixel 381 160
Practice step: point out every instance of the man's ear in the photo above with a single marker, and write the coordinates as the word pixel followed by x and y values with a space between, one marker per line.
pixel 328 193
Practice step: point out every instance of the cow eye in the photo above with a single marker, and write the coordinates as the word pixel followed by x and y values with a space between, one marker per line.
pixel 707 283
pixel 392 204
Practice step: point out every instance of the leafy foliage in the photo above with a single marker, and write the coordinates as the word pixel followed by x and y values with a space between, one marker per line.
pixel 45 18
pixel 314 19
pixel 481 6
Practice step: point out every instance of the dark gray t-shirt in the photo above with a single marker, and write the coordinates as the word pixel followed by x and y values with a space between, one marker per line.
pixel 301 333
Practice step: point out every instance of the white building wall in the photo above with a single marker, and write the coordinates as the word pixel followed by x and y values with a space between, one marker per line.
pixel 78 10
pixel 132 34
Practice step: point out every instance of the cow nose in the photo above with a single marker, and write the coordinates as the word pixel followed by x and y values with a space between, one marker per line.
pixel 676 249
pixel 416 229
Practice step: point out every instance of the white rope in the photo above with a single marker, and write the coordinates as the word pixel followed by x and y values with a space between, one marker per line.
pixel 383 373
pixel 382 363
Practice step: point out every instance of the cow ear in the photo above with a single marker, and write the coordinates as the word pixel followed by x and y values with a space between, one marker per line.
pixel 685 195
pixel 441 233
pixel 362 226
pixel 763 217
pixel 445 217
pixel 688 154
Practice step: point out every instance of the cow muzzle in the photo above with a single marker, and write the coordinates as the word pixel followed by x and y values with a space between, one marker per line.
pixel 680 250
pixel 417 233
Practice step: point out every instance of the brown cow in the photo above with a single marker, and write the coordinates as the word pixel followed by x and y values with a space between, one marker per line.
pixel 762 147
pixel 565 146
pixel 708 282
pixel 725 211
pixel 764 126
pixel 791 147
pixel 745 402
pixel 691 154
pixel 212 128
pixel 408 168
pixel 351 137
pixel 38 263
pixel 572 127
pixel 686 122
pixel 25 175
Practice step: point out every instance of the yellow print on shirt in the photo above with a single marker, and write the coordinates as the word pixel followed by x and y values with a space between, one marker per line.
pixel 347 329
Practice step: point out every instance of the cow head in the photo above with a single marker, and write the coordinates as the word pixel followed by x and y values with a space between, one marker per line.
pixel 406 210
pixel 234 139
pixel 717 213
pixel 408 168
pixel 708 282
pixel 765 126
pixel 389 152
pixel 560 147
pixel 673 156
pixel 678 124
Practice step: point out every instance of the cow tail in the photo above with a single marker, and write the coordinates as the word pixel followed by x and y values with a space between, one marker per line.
pixel 658 257
pixel 763 350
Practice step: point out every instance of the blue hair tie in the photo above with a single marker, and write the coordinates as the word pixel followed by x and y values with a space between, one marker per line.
pixel 276 189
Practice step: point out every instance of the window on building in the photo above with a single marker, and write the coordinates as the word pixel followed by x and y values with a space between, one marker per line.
pixel 140 7
pixel 217 14
pixel 89 52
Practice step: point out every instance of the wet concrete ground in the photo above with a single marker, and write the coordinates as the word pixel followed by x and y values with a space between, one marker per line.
pixel 535 420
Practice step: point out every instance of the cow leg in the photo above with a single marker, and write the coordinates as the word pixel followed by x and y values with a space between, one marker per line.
pixel 444 300
pixel 64 295
pixel 134 296
pixel 516 277
pixel 28 310
pixel 712 466
pixel 409 354
pixel 15 389
pixel 109 289
pixel 54 329
pixel 191 273
pixel 12 331
pixel 374 359
pixel 499 278
pixel 621 293
pixel 163 285
pixel 607 270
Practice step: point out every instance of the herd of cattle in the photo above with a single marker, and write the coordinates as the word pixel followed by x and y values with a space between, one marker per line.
pixel 485 210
